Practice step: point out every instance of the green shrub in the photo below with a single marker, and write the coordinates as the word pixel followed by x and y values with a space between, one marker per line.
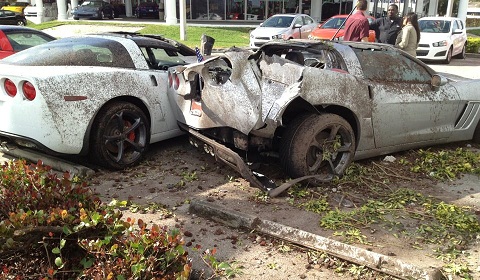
pixel 473 45
pixel 56 228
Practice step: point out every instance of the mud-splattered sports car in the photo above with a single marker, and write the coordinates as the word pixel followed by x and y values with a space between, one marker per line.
pixel 317 106
pixel 103 95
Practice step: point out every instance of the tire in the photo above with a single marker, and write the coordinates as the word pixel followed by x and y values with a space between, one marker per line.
pixel 112 15
pixel 101 16
pixel 304 151
pixel 76 18
pixel 462 54
pixel 120 136
pixel 449 56
pixel 20 23
pixel 476 134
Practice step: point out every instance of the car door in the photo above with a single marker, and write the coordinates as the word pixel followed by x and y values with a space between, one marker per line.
pixel 406 108
pixel 7 17
pixel 458 35
pixel 156 57
pixel 308 24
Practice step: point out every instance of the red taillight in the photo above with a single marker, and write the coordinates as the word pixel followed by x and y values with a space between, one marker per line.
pixel 176 81
pixel 29 91
pixel 10 88
pixel 170 79
pixel 173 80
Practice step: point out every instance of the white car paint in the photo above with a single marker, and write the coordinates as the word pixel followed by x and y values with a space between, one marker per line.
pixel 441 38
pixel 299 27
pixel 69 98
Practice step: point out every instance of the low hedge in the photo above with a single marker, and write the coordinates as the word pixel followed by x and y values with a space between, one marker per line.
pixel 473 45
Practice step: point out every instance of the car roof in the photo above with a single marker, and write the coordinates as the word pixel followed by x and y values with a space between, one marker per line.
pixel 439 18
pixel 288 15
pixel 21 29
pixel 151 40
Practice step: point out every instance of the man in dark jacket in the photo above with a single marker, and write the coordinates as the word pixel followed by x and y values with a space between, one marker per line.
pixel 387 28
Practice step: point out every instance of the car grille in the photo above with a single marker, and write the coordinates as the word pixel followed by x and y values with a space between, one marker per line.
pixel 423 45
pixel 422 53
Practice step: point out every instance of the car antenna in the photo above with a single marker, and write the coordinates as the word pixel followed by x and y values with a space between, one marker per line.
pixel 343 23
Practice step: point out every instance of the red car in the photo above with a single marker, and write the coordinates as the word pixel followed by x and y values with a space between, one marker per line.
pixel 18 38
pixel 327 30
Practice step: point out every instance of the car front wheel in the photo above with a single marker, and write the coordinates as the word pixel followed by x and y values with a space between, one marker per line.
pixel 449 56
pixel 317 145
pixel 112 15
pixel 120 136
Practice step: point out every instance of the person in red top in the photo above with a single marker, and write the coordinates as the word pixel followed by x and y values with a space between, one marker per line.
pixel 357 27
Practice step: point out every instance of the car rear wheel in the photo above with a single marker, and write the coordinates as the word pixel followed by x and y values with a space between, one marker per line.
pixel 449 56
pixel 76 18
pixel 120 136
pixel 112 15
pixel 101 15
pixel 476 134
pixel 20 23
pixel 317 145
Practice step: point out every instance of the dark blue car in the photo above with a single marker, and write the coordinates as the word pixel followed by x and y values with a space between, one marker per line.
pixel 94 10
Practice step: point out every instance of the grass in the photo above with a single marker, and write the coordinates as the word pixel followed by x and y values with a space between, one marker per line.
pixel 225 37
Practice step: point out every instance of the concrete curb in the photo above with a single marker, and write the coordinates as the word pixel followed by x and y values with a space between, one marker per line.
pixel 56 163
pixel 344 251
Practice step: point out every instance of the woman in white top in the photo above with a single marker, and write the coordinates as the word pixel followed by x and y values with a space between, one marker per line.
pixel 409 36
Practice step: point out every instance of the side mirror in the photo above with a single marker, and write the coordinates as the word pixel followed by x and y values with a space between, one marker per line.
pixel 438 80
pixel 298 25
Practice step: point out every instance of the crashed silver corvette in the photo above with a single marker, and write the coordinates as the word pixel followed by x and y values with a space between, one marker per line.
pixel 318 106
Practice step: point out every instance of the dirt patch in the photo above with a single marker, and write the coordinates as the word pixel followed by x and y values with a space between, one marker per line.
pixel 175 173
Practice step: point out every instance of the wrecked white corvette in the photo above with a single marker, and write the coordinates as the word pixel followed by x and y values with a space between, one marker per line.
pixel 103 95
pixel 319 105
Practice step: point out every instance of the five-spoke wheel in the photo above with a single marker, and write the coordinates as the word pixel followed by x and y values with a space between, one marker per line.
pixel 120 136
pixel 317 145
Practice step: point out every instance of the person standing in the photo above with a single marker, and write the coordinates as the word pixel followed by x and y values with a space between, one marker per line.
pixel 356 26
pixel 387 28
pixel 409 36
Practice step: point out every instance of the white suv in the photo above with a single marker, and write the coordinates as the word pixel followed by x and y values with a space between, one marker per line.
pixel 441 38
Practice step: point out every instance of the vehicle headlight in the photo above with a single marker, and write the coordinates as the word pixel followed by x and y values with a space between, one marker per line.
pixel 279 36
pixel 440 44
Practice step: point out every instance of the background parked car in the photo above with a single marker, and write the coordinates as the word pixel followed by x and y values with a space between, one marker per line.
pixel 4 3
pixel 16 7
pixel 441 38
pixel 210 16
pixel 282 26
pixel 96 9
pixel 104 95
pixel 147 9
pixel 326 30
pixel 12 18
pixel 17 38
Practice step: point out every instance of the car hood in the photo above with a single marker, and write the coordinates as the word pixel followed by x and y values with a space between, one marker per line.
pixel 426 38
pixel 88 9
pixel 268 31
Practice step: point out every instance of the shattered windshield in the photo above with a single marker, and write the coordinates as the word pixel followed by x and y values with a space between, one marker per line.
pixel 75 52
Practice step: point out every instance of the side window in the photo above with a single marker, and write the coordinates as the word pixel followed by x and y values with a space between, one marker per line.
pixel 394 67
pixel 455 25
pixel 298 20
pixel 308 20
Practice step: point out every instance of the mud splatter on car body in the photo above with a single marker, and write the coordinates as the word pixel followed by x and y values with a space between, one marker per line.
pixel 103 95
pixel 341 102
